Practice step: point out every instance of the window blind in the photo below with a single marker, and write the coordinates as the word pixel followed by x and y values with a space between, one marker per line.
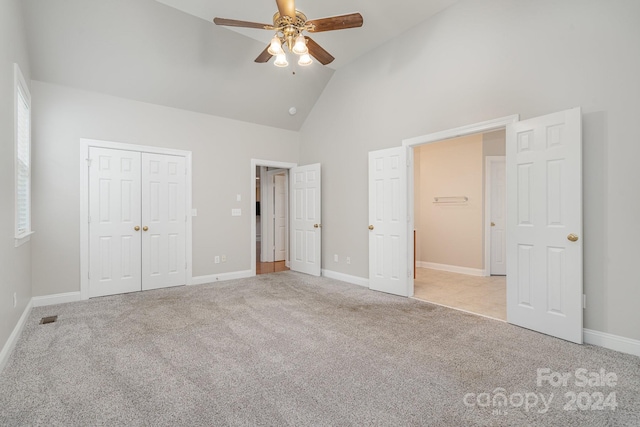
pixel 23 165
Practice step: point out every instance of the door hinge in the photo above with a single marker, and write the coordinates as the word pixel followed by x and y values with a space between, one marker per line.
pixel 89 219
pixel 88 163
pixel 584 300
pixel 409 274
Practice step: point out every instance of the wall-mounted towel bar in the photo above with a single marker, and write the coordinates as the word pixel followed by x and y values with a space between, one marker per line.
pixel 451 199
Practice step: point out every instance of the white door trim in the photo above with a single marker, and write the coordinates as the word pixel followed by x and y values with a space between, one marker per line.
pixel 254 163
pixel 84 202
pixel 489 160
pixel 481 127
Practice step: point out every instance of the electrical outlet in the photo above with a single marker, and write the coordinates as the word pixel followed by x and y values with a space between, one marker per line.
pixel 335 257
pixel 223 258
pixel 348 260
pixel 15 300
pixel 216 259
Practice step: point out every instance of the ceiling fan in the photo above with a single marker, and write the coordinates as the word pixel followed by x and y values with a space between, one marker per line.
pixel 289 25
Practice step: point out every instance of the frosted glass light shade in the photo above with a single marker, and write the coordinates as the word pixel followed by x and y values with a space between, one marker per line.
pixel 275 48
pixel 281 60
pixel 300 46
pixel 305 60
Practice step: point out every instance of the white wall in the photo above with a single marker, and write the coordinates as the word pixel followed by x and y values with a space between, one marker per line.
pixel 222 149
pixel 450 233
pixel 15 263
pixel 483 59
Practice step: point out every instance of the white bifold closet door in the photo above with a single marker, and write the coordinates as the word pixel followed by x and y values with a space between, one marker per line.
pixel 137 221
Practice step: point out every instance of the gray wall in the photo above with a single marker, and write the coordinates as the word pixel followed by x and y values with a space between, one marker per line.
pixel 484 59
pixel 222 151
pixel 15 263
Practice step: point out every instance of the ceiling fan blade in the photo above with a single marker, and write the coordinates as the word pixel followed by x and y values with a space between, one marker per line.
pixel 245 24
pixel 318 52
pixel 342 22
pixel 287 8
pixel 265 56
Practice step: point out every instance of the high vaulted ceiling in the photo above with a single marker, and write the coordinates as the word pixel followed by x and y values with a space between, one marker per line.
pixel 149 51
pixel 383 19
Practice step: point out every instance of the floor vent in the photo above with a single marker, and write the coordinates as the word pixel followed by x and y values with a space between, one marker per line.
pixel 48 319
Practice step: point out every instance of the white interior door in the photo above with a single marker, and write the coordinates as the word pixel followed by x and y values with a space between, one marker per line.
pixel 114 215
pixel 388 250
pixel 164 221
pixel 280 216
pixel 137 221
pixel 305 208
pixel 544 224
pixel 498 217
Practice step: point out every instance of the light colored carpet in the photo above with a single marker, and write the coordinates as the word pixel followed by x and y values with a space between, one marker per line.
pixel 289 349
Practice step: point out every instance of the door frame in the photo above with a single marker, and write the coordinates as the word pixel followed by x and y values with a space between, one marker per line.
pixel 411 143
pixel 489 161
pixel 252 235
pixel 85 144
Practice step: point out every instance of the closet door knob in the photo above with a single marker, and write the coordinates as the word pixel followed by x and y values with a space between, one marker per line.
pixel 371 227
pixel 145 228
pixel 137 228
pixel 572 237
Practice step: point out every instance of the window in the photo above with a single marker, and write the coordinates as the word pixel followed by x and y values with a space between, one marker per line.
pixel 22 129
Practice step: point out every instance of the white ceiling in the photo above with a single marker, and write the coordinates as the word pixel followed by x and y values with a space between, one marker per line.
pixel 383 20
pixel 147 51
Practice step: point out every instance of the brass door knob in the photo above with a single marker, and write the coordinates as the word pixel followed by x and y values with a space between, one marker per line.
pixel 315 226
pixel 145 228
pixel 572 237
pixel 493 224
pixel 371 227
pixel 137 228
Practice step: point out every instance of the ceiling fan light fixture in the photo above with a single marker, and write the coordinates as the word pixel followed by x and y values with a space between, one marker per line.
pixel 275 48
pixel 300 46
pixel 281 60
pixel 305 59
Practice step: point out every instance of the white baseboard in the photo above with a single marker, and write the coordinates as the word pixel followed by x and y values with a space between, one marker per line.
pixel 360 281
pixel 56 299
pixel 612 342
pixel 451 268
pixel 222 277
pixel 13 338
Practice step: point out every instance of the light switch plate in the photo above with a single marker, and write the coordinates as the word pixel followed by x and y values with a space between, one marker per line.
pixel 236 212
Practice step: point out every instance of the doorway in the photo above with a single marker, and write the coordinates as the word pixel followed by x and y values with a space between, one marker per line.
pixel 304 210
pixel 544 218
pixel 272 219
pixel 459 222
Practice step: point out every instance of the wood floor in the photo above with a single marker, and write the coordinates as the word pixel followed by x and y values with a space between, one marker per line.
pixel 481 295
pixel 268 267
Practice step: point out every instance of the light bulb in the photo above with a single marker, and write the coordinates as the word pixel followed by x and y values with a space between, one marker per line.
pixel 300 47
pixel 305 60
pixel 281 60
pixel 275 48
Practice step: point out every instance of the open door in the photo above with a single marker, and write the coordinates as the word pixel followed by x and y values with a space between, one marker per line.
pixel 544 224
pixel 388 250
pixel 305 232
